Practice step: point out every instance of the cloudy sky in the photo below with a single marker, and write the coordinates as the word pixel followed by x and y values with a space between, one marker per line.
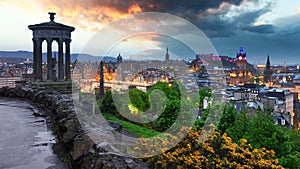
pixel 262 27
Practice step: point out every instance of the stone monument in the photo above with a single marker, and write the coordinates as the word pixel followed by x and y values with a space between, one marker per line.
pixel 49 32
pixel 58 77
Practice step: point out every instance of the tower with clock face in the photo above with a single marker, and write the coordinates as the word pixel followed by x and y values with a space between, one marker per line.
pixel 242 74
pixel 241 60
pixel 241 63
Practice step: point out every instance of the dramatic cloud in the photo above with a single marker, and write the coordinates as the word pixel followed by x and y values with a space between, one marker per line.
pixel 267 28
pixel 217 18
pixel 261 26
pixel 92 14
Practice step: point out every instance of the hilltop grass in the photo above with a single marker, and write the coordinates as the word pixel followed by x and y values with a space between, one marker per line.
pixel 134 129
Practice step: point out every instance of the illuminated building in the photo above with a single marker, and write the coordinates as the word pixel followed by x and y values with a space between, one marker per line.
pixel 261 66
pixel 241 75
pixel 86 74
pixel 152 76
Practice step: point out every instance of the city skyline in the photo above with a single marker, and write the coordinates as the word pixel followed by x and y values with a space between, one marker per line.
pixel 262 27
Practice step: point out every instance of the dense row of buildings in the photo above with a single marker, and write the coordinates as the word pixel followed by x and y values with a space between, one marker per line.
pixel 269 88
pixel 275 89
pixel 233 78
pixel 12 72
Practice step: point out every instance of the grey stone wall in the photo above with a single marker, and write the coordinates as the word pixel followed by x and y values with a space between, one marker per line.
pixel 73 145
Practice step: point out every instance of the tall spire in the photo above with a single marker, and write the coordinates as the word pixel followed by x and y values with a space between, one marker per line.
pixel 119 58
pixel 268 63
pixel 267 72
pixel 167 55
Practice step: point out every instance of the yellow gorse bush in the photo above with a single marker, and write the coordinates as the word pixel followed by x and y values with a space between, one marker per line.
pixel 217 151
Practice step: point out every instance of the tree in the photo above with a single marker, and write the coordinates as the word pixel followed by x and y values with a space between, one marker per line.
pixel 239 127
pixel 171 92
pixel 169 115
pixel 228 118
pixel 107 104
pixel 139 99
pixel 295 137
pixel 292 159
pixel 176 106
pixel 261 131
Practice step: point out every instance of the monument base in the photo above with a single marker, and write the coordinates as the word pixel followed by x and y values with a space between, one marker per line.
pixel 64 87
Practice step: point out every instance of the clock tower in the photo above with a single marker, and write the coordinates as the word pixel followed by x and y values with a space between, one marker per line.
pixel 241 63
pixel 241 60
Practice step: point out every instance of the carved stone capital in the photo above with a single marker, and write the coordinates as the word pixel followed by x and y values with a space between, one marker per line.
pixel 60 41
pixel 68 41
pixel 49 40
pixel 37 41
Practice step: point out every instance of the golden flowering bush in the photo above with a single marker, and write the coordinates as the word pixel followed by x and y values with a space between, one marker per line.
pixel 217 151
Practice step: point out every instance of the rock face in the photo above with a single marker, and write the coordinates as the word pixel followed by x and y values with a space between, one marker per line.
pixel 74 145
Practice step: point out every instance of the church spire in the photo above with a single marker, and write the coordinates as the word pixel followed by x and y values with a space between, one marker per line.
pixel 268 63
pixel 167 55
pixel 267 72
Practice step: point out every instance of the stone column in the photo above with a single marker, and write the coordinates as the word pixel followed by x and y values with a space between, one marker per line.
pixel 60 60
pixel 49 59
pixel 68 60
pixel 34 59
pixel 39 73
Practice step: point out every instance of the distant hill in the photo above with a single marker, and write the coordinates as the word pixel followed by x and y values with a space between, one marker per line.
pixel 20 56
pixel 15 54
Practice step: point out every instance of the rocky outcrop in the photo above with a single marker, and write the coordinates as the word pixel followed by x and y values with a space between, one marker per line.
pixel 74 145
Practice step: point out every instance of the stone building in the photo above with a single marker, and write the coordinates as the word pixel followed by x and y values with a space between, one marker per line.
pixel 280 102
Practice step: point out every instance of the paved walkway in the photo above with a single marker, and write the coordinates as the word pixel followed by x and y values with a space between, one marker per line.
pixel 25 141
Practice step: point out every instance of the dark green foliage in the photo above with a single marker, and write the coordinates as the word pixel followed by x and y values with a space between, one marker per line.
pixel 139 99
pixel 176 114
pixel 261 131
pixel 295 137
pixel 224 116
pixel 228 118
pixel 204 93
pixel 172 92
pixel 239 127
pixel 168 117
pixel 177 107
pixel 107 105
pixel 291 160
pixel 199 123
